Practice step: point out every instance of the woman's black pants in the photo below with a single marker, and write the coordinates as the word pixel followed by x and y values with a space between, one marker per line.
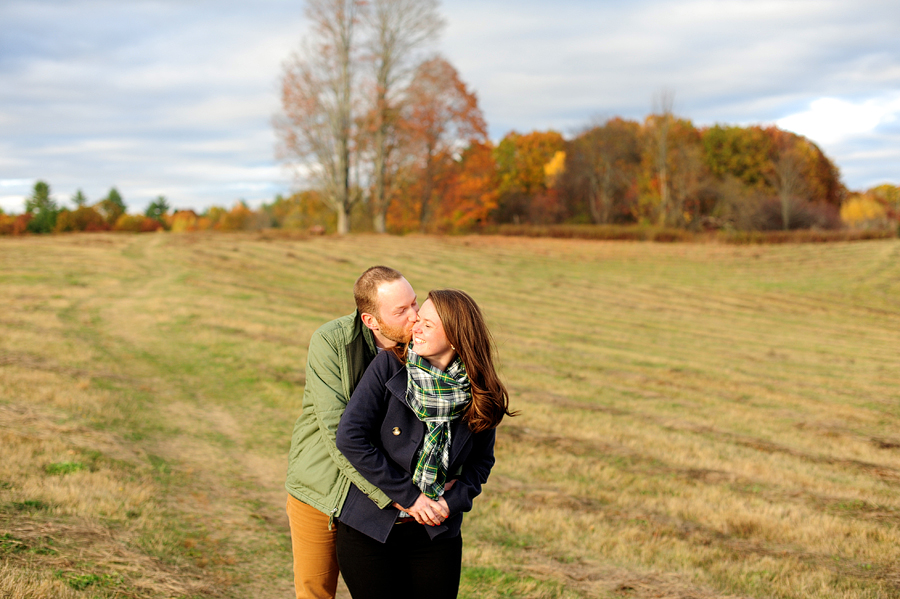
pixel 408 566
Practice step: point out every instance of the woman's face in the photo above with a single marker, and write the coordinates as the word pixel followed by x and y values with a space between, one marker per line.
pixel 429 339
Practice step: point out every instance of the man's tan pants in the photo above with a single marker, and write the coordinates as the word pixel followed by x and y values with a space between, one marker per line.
pixel 315 562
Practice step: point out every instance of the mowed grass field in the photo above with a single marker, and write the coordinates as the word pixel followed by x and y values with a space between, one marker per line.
pixel 695 420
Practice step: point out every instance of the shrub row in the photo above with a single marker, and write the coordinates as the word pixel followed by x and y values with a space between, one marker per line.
pixel 668 235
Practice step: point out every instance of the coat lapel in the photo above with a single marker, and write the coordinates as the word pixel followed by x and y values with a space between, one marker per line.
pixel 397 384
pixel 459 430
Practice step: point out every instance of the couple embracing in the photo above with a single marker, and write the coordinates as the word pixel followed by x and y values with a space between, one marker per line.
pixel 395 440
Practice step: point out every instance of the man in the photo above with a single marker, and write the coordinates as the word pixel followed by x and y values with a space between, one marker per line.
pixel 318 476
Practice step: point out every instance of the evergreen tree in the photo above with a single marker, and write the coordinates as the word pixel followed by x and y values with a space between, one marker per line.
pixel 43 209
pixel 158 209
pixel 112 206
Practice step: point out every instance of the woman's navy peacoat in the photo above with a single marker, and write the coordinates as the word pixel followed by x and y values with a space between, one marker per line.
pixel 380 435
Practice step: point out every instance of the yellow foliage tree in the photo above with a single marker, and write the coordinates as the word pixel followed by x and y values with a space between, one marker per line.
pixel 861 210
pixel 187 220
pixel 554 168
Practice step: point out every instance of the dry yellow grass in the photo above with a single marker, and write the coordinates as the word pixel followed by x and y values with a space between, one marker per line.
pixel 697 420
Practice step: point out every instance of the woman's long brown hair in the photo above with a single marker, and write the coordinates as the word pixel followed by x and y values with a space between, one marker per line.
pixel 466 331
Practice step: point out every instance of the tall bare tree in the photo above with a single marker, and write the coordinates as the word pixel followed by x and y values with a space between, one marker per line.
pixel 602 163
pixel 398 29
pixel 318 98
pixel 662 118
pixel 687 180
pixel 788 179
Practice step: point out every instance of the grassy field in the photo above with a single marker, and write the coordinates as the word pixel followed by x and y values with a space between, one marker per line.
pixel 696 420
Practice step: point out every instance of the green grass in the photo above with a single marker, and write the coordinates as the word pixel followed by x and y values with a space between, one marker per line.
pixel 696 420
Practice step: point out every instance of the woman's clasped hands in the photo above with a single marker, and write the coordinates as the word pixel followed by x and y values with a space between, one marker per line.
pixel 427 511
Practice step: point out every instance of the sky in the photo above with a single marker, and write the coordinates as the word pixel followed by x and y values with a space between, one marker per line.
pixel 177 97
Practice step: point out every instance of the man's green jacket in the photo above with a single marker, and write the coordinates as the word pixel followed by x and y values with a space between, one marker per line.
pixel 318 474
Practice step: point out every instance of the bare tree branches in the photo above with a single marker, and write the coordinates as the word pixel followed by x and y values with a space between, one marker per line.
pixel 398 28
pixel 318 101
pixel 335 108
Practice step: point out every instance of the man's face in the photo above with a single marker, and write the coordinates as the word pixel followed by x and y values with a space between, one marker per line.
pixel 397 308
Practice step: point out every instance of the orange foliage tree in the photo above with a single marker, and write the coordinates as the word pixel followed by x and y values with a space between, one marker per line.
pixel 440 115
pixel 470 192
pixel 137 223
pixel 83 218
pixel 11 224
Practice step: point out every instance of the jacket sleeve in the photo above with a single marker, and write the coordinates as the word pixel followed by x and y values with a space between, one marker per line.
pixel 359 431
pixel 323 382
pixel 476 470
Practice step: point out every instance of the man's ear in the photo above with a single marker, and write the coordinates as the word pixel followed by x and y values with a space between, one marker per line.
pixel 370 321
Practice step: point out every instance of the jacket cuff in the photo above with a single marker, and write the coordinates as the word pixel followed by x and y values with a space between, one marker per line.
pixel 409 497
pixel 457 501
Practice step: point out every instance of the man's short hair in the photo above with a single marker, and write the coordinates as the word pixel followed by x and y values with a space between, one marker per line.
pixel 365 291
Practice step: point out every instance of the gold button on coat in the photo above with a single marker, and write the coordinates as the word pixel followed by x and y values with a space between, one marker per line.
pixel 396 431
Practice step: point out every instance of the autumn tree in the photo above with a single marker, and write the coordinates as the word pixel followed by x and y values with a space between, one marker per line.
pixel 601 167
pixel 83 218
pixel 302 210
pixel 741 152
pixel 319 98
pixel 689 179
pixel 470 194
pixel 658 126
pixel 671 182
pixel 397 29
pixel 863 211
pixel 440 115
pixel 111 207
pixel 521 159
pixel 888 196
pixel 787 179
pixel 806 183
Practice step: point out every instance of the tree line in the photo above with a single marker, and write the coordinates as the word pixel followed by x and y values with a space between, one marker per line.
pixel 387 137
pixel 44 214
pixel 375 127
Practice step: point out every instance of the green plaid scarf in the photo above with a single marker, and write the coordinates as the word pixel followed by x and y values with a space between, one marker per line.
pixel 438 398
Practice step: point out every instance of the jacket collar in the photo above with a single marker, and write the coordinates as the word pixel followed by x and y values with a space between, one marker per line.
pixel 355 327
pixel 359 351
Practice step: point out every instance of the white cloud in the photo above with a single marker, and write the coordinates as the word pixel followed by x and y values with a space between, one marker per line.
pixel 15 182
pixel 831 120
pixel 12 204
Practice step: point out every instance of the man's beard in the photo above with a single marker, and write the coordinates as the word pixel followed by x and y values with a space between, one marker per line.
pixel 395 334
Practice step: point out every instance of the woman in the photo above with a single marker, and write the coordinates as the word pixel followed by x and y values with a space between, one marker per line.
pixel 420 426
